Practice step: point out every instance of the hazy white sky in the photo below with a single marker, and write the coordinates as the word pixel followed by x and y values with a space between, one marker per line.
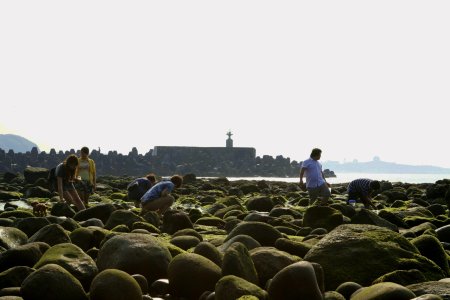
pixel 355 78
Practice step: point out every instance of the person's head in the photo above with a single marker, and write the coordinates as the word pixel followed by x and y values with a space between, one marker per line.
pixel 151 177
pixel 84 152
pixel 316 153
pixel 177 180
pixel 71 164
pixel 374 185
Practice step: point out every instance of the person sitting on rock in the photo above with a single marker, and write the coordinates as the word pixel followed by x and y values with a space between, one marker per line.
pixel 65 176
pixel 362 189
pixel 138 187
pixel 158 197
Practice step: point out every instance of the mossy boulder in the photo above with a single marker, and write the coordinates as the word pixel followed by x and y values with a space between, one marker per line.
pixel 322 217
pixel 264 233
pixel 402 277
pixel 232 287
pixel 146 226
pixel 247 240
pixel 269 261
pixel 175 220
pixel 440 288
pixel 32 225
pixel 296 281
pixel 211 221
pixel 23 255
pixel 32 174
pixel 113 284
pixel 292 247
pixel 191 274
pixel 18 214
pixel 237 261
pixel 101 211
pixel 52 282
pixel 62 209
pixel 209 251
pixel 14 276
pixel 11 237
pixel 122 217
pixel 430 247
pixel 88 237
pixel 365 216
pixel 135 253
pixel 52 234
pixel 362 253
pixel 73 259
pixel 10 195
pixel 385 291
pixel 262 203
pixel 188 231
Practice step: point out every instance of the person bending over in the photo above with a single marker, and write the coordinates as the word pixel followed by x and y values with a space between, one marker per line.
pixel 139 186
pixel 65 176
pixel 362 189
pixel 158 197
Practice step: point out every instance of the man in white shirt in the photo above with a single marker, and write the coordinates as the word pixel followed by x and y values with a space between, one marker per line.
pixel 316 184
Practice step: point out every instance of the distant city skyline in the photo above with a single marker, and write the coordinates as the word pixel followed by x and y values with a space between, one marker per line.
pixel 357 79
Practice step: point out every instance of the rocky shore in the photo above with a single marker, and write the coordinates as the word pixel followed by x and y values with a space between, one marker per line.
pixel 224 240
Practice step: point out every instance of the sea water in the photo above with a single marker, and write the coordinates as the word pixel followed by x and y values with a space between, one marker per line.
pixel 347 177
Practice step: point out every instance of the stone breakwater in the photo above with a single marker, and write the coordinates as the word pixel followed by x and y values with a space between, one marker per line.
pixel 225 240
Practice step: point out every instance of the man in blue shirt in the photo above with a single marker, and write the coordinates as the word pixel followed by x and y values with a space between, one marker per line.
pixel 316 184
pixel 158 197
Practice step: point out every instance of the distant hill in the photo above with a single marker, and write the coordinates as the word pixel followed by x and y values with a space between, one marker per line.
pixel 16 143
pixel 378 166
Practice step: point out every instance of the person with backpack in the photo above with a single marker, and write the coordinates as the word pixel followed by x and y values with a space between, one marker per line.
pixel 86 176
pixel 139 186
pixel 65 176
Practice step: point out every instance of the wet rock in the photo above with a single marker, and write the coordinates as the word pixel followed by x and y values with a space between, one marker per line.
pixel 51 234
pixel 32 225
pixel 323 217
pixel 14 276
pixel 62 209
pixel 175 220
pixel 384 290
pixel 100 211
pixel 264 233
pixel 237 261
pixel 114 285
pixel 232 287
pixel 32 174
pixel 52 282
pixel 23 255
pixel 209 251
pixel 122 217
pixel 135 253
pixel 191 274
pixel 402 277
pixel 12 237
pixel 185 242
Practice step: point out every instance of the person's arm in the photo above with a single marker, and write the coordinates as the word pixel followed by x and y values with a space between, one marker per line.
pixel 323 176
pixel 302 173
pixel 165 192
pixel 59 182
pixel 367 200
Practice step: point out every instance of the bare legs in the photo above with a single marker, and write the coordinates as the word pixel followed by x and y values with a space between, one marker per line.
pixel 72 197
pixel 161 205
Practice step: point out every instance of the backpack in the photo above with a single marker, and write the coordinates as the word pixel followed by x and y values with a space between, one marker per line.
pixel 51 179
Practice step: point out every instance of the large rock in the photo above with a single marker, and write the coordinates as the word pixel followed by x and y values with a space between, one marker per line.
pixel 430 247
pixel 10 195
pixel 11 237
pixel 32 225
pixel 135 253
pixel 260 204
pixel 384 291
pixel 175 220
pixel 237 261
pixel 100 211
pixel 51 234
pixel 362 253
pixel 73 259
pixel 365 216
pixel 264 233
pixel 190 275
pixel 37 192
pixel 23 255
pixel 32 174
pixel 269 261
pixel 122 217
pixel 297 281
pixel 14 276
pixel 231 287
pixel 209 251
pixel 52 282
pixel 88 237
pixel 322 217
pixel 62 209
pixel 440 288
pixel 114 285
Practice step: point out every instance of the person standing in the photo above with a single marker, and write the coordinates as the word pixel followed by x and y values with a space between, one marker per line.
pixel 65 176
pixel 362 189
pixel 316 185
pixel 139 186
pixel 158 197
pixel 86 175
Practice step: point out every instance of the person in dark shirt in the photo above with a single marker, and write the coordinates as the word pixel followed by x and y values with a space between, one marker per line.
pixel 362 189
pixel 65 176
pixel 138 187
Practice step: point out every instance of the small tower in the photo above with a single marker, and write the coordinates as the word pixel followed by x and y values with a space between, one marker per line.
pixel 229 140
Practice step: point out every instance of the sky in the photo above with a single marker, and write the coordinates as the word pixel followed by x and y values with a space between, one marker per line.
pixel 357 79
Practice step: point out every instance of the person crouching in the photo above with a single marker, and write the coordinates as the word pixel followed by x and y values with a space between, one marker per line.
pixel 158 197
